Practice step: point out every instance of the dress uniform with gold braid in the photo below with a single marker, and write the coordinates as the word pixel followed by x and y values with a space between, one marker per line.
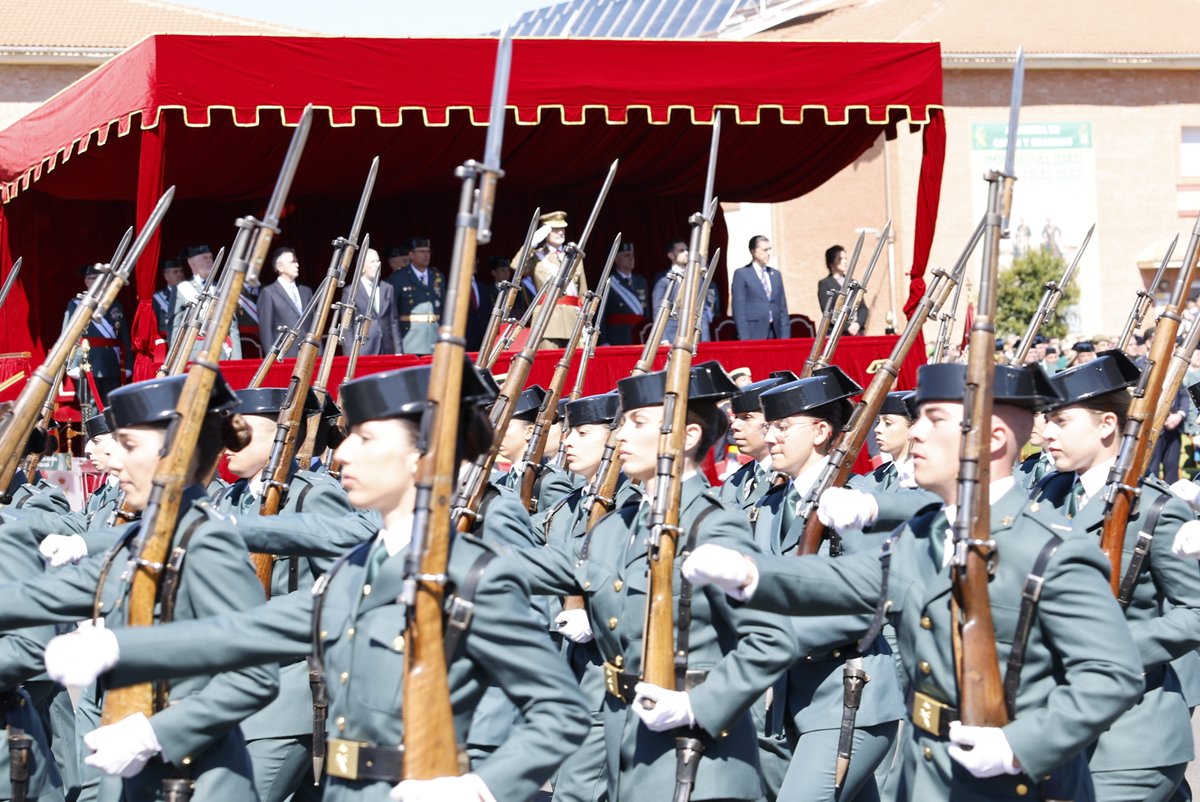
pixel 547 259
pixel 418 304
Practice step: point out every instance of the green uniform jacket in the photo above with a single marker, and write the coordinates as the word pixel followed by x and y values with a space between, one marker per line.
pixel 1081 671
pixel 414 297
pixel 742 651
pixel 744 488
pixel 201 724
pixel 362 628
pixel 1164 617
pixel 550 488
pixel 291 712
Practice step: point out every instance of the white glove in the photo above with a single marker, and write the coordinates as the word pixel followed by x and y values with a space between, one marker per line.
pixel 729 570
pixel 123 748
pixel 574 625
pixel 59 550
pixel 468 788
pixel 672 709
pixel 843 509
pixel 1187 541
pixel 1187 490
pixel 540 235
pixel 77 658
pixel 989 755
pixel 73 373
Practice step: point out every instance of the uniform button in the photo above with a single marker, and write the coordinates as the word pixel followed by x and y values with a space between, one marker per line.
pixel 350 632
pixel 366 590
pixel 617 585
pixel 619 661
pixel 341 723
pixel 1022 789
pixel 324 634
pixel 187 761
pixel 344 676
pixel 927 753
pixel 926 622
pixel 398 643
pixel 924 667
pixel 612 623
pixel 724 733
pixel 837 653
pixel 587 583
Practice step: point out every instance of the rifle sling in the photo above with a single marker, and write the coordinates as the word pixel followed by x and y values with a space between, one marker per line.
pixel 168 590
pixel 461 606
pixel 1031 594
pixel 294 562
pixel 884 604
pixel 1141 550
pixel 683 622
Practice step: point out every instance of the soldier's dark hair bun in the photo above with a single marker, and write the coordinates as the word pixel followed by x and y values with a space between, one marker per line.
pixel 235 432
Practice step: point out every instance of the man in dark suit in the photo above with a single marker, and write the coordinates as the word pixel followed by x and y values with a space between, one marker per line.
pixel 383 335
pixel 281 303
pixel 628 296
pixel 759 304
pixel 108 341
pixel 836 263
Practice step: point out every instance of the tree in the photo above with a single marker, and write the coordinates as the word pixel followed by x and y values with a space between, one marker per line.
pixel 1019 289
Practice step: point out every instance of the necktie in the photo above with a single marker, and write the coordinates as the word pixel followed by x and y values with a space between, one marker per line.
pixel 1077 500
pixel 1040 468
pixel 937 538
pixel 788 513
pixel 248 502
pixel 757 479
pixel 294 294
pixel 766 282
pixel 379 554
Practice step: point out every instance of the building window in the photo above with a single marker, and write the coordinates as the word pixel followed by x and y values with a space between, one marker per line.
pixel 1189 152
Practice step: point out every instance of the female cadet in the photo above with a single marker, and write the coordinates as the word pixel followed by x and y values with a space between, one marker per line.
pixel 732 655
pixel 1144 754
pixel 361 622
pixel 279 737
pixel 891 435
pixel 195 736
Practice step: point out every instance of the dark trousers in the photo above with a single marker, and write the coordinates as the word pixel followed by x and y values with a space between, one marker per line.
pixel 1166 455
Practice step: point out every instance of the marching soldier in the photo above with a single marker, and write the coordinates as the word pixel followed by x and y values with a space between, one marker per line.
pixel 891 435
pixel 419 291
pixel 1145 752
pixel 548 255
pixel 732 654
pixel 552 483
pixel 625 311
pixel 358 620
pixel 747 426
pixel 1077 669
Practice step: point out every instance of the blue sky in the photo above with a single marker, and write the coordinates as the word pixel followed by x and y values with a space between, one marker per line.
pixel 379 17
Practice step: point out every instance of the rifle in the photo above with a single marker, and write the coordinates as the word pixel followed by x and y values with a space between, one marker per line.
pixel 530 466
pixel 833 309
pixel 286 337
pixel 709 271
pixel 505 299
pixel 429 742
pixel 292 415
pixel 474 484
pixel 981 691
pixel 11 280
pixel 1052 293
pixel 512 328
pixel 1144 300
pixel 946 318
pixel 1159 383
pixel 18 420
pixel 184 340
pixel 346 310
pixel 840 464
pixel 162 509
pixel 854 291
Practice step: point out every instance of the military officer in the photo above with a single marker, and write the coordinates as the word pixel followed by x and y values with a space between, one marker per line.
pixel 419 290
pixel 804 418
pixel 199 259
pixel 548 255
pixel 1081 668
pixel 747 428
pixel 195 737
pixel 108 338
pixel 361 623
pixel 172 273
pixel 732 655
pixel 625 310
pixel 1144 754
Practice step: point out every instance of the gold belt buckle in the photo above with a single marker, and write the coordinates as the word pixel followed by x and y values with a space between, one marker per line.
pixel 927 713
pixel 612 680
pixel 343 759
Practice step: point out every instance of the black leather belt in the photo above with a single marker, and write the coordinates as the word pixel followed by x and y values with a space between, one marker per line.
pixel 621 685
pixel 931 716
pixel 358 760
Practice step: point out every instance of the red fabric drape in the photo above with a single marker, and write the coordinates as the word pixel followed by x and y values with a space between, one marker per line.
pixel 144 331
pixel 933 158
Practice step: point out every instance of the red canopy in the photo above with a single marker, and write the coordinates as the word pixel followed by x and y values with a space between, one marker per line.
pixel 204 114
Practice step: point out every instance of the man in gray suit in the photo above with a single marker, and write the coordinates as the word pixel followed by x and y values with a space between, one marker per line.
pixel 759 303
pixel 383 336
pixel 282 303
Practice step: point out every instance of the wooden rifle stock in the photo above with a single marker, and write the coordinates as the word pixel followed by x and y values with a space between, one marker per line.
pixel 170 477
pixel 1144 299
pixel 1159 383
pixel 184 340
pixel 507 296
pixel 841 460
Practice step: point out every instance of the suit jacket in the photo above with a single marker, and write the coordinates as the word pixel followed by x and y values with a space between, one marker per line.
pixel 625 303
pixel 479 311
pixel 275 309
pixel 830 284
pixel 383 335
pixel 711 306
pixel 758 317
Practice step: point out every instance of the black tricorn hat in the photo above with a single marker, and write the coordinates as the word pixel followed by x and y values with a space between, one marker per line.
pixel 270 400
pixel 825 386
pixel 403 393
pixel 153 401
pixel 593 409
pixel 1083 346
pixel 747 398
pixel 561 411
pixel 1027 387
pixel 91 269
pixel 194 250
pixel 529 403
pixel 170 264
pixel 893 404
pixel 708 382
pixel 96 426
pixel 1109 371
pixel 786 375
